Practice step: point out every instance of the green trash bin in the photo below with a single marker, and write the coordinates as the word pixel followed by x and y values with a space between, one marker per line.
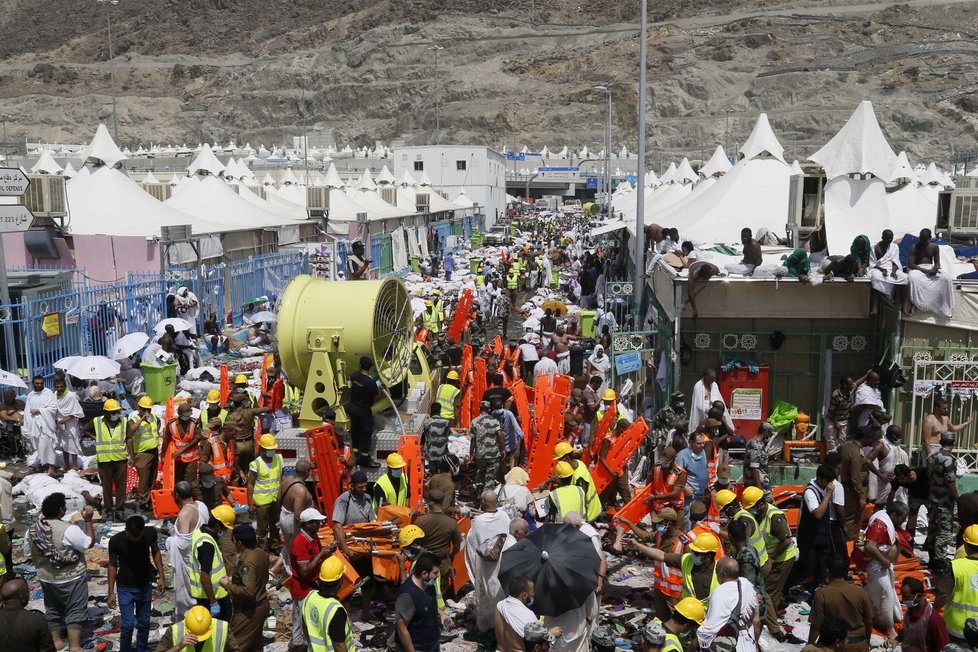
pixel 416 264
pixel 587 323
pixel 474 265
pixel 161 381
pixel 476 240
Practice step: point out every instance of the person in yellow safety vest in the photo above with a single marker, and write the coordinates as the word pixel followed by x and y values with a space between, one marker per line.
pixel 144 449
pixel 781 550
pixel 392 487
pixel 563 451
pixel 480 280
pixel 198 631
pixel 448 397
pixel 291 398
pixel 567 497
pixel 241 384
pixel 264 478
pixel 326 620
pixel 207 565
pixel 513 281
pixel 730 510
pixel 430 317
pixel 607 398
pixel 698 566
pixel 212 409
pixel 410 539
pixel 111 431
pixel 688 614
pixel 439 305
pixel 6 555
pixel 961 587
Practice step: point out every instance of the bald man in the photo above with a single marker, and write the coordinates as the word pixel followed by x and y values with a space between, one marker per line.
pixel 23 628
pixel 293 496
pixel 731 591
pixel 483 547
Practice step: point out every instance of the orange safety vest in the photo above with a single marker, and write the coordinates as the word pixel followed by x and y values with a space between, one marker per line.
pixel 712 511
pixel 222 463
pixel 663 484
pixel 181 442
pixel 711 466
pixel 421 335
pixel 668 580
pixel 702 528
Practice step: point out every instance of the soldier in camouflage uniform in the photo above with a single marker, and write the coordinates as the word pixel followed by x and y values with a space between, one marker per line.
pixel 941 467
pixel 750 562
pixel 502 313
pixel 666 418
pixel 488 448
pixel 756 458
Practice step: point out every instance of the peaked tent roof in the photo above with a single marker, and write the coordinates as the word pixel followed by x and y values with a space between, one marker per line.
pixel 762 141
pixel 685 173
pixel 859 148
pixel 209 197
pixel 425 180
pixel 796 168
pixel 333 179
pixel 385 178
pixel 407 179
pixel 669 176
pixel 206 161
pixel 103 149
pixel 366 181
pixel 461 199
pixel 289 178
pixel 68 173
pixel 718 163
pixel 903 170
pixel 46 164
pixel 149 178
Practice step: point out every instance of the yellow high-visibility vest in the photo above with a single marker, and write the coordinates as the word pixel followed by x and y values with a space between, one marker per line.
pixel 269 476
pixel 110 441
pixel 197 539
pixel 147 436
pixel 317 613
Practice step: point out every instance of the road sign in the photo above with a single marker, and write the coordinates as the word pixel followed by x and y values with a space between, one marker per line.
pixel 15 219
pixel 628 362
pixel 13 182
pixel 515 156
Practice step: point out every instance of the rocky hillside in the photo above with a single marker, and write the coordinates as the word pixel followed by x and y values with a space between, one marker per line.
pixel 495 71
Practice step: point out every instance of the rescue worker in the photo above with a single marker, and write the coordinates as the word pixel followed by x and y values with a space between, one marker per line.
pixel 411 541
pixel 730 510
pixel 449 396
pixel 219 451
pixel 960 587
pixel 513 282
pixel 688 614
pixel 619 483
pixel 392 487
pixel 240 424
pixel 781 551
pixel 198 631
pixel 698 566
pixel 111 442
pixel 144 449
pixel 363 393
pixel 186 438
pixel 241 385
pixel 246 586
pixel 608 399
pixel 439 305
pixel 212 408
pixel 699 525
pixel 480 280
pixel 668 482
pixel 327 622
pixel 667 580
pixel 207 565
pixel 213 491
pixel 563 451
pixel 567 497
pixel 430 317
pixel 264 478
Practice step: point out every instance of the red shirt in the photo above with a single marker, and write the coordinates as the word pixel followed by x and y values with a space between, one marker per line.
pixel 303 549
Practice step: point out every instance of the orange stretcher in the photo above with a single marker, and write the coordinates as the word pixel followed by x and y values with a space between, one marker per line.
pixel 607 421
pixel 409 446
pixel 638 507
pixel 619 454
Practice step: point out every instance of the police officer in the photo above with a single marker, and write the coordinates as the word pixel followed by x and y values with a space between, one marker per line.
pixel 327 623
pixel 567 497
pixel 363 394
pixel 264 478
pixel 448 396
pixel 246 586
pixel 392 486
pixel 144 453
pixel 207 565
pixel 111 435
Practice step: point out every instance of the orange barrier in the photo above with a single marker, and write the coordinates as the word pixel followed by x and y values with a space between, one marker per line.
pixel 350 578
pixel 409 446
pixel 465 408
pixel 563 384
pixel 225 384
pixel 619 454
pixel 479 382
pixel 610 416
pixel 327 468
pixel 638 507
pixel 549 428
pixel 458 565
pixel 523 408
pixel 497 345
pixel 460 318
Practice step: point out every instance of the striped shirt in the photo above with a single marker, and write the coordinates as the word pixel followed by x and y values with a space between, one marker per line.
pixel 840 405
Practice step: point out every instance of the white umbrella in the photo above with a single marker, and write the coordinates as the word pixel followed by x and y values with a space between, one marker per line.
pixel 177 323
pixel 94 367
pixel 264 315
pixel 11 380
pixel 126 345
pixel 67 361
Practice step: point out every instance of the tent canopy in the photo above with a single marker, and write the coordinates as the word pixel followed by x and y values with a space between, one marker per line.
pixel 859 148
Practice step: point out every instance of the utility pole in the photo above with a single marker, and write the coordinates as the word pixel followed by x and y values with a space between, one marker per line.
pixel 108 22
pixel 435 49
pixel 639 288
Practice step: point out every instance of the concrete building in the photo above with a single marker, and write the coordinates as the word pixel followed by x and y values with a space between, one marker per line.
pixel 479 172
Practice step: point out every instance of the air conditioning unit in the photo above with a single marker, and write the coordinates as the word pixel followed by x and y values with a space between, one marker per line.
pixel 178 233
pixel 962 183
pixel 159 191
pixel 962 213
pixel 806 210
pixel 421 201
pixel 259 190
pixel 389 195
pixel 45 197
pixel 444 195
pixel 317 198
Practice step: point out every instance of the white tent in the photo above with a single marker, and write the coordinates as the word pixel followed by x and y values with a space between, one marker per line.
pixel 148 179
pixel 333 179
pixel 909 211
pixel 206 163
pixel 685 173
pixel 385 178
pixel 68 173
pixel 718 163
pixel 103 149
pixel 461 199
pixel 46 164
pixel 859 148
pixel 903 171
pixel 762 142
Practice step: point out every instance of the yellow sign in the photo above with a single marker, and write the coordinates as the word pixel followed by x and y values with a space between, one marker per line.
pixel 52 324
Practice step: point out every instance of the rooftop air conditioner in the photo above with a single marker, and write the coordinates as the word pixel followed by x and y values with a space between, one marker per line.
pixel 178 233
pixel 159 191
pixel 317 198
pixel 45 197
pixel 421 201
pixel 389 195
pixel 962 214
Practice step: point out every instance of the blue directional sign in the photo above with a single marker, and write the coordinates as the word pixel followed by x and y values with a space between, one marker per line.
pixel 628 362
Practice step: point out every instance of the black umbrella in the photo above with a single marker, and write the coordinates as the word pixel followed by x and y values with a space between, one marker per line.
pixel 562 563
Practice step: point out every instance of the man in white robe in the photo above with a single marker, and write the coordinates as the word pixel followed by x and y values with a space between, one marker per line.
pixel 706 391
pixel 187 307
pixel 69 411
pixel 40 424
pixel 885 269
pixel 193 514
pixel 931 288
pixel 483 548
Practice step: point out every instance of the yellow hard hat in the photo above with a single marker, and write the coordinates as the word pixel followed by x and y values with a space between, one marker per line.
pixel 705 542
pixel 145 402
pixel 970 535
pixel 750 497
pixel 240 378
pixel 332 569
pixel 111 405
pixel 691 608
pixel 395 461
pixel 225 514
pixel 564 470
pixel 609 395
pixel 452 375
pixel 725 497
pixel 561 449
pixel 268 441
pixel 436 292
pixel 198 622
pixel 428 303
pixel 409 535
pixel 214 396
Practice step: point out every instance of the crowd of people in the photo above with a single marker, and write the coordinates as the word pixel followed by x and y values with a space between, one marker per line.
pixel 724 552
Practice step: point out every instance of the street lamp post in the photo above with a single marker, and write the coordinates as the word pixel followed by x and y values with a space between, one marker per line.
pixel 607 148
pixel 108 22
pixel 4 118
pixel 435 49
pixel 639 288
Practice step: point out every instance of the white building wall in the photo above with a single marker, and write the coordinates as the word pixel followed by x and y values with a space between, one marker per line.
pixel 478 171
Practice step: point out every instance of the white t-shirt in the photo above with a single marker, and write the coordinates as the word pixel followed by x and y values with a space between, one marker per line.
pixel 76 538
pixel 723 601
pixel 529 352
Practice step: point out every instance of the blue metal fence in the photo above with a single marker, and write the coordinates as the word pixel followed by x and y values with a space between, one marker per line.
pixel 263 276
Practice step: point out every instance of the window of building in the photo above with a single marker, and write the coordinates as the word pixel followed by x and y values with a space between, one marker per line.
pixel 459 165
pixel 418 166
